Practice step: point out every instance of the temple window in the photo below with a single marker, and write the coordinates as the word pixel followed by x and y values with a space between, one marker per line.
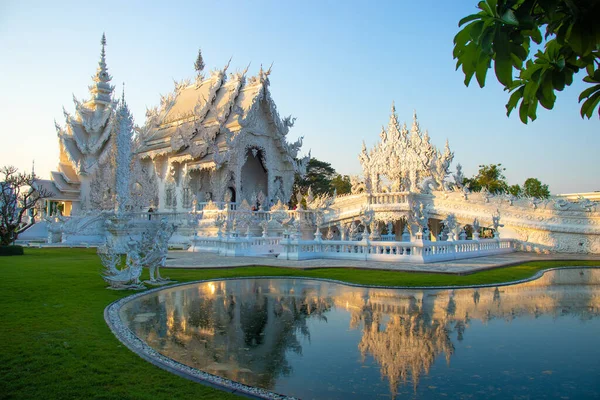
pixel 169 197
pixel 187 197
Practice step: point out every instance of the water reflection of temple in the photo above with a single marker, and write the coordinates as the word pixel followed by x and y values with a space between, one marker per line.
pixel 237 329
pixel 405 331
pixel 242 329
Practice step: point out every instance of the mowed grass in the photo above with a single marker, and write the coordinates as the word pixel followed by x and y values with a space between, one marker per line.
pixel 54 342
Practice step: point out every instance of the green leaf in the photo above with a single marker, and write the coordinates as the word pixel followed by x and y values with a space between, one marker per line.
pixel 510 18
pixel 568 77
pixel 514 99
pixel 587 92
pixel 486 40
pixel 481 70
pixel 523 111
pixel 535 35
pixel 503 62
pixel 493 6
pixel 531 112
pixel 462 37
pixel 545 93
pixel 519 51
pixel 483 6
pixel 469 18
pixel 558 80
pixel 587 108
pixel 475 31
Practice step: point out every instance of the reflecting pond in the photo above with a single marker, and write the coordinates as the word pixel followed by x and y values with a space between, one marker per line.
pixel 321 340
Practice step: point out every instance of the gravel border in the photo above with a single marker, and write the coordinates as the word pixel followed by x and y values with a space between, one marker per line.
pixel 139 347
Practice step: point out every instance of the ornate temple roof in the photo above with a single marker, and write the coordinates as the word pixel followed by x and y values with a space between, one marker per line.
pixel 189 121
pixel 55 193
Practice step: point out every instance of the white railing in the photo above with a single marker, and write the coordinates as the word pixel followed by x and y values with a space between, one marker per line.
pixel 388 198
pixel 418 251
pixel 237 246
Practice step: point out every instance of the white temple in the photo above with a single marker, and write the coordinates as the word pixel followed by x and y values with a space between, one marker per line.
pixel 216 146
pixel 218 139
pixel 212 139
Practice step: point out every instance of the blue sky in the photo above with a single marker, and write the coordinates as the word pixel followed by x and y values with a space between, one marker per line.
pixel 337 68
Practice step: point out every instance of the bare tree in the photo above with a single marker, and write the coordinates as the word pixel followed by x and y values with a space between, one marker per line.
pixel 18 195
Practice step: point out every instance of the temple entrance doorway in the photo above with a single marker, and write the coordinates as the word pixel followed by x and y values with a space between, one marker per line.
pixel 232 197
pixel 254 174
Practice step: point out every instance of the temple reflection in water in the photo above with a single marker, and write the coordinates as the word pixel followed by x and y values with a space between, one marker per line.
pixel 248 330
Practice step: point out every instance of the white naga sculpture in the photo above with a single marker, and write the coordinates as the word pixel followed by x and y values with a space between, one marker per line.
pixel 150 251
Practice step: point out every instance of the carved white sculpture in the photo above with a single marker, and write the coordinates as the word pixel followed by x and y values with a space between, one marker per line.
pixel 450 224
pixel 126 278
pixel 155 246
pixel 404 158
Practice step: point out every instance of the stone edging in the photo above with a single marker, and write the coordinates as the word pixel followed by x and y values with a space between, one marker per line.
pixel 139 347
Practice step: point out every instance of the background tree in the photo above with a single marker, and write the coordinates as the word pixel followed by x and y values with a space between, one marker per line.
pixel 341 184
pixel 17 197
pixel 199 64
pixel 489 177
pixel 515 190
pixel 319 175
pixel 534 188
pixel 568 33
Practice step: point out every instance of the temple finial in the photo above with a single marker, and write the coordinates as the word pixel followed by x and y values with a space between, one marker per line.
pixel 102 73
pixel 393 107
pixel 33 167
pixel 101 90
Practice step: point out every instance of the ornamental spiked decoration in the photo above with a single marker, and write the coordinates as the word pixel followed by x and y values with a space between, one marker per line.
pixel 101 90
pixel 124 134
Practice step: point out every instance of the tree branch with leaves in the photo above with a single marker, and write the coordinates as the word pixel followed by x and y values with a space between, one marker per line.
pixel 507 31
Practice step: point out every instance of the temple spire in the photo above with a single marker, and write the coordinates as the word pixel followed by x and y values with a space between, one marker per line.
pixel 101 90
pixel 124 135
pixel 393 126
pixel 102 72
pixel 415 125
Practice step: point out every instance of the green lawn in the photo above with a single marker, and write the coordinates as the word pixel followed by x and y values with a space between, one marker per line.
pixel 54 342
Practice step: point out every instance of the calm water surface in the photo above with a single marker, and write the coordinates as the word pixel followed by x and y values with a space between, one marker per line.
pixel 320 340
